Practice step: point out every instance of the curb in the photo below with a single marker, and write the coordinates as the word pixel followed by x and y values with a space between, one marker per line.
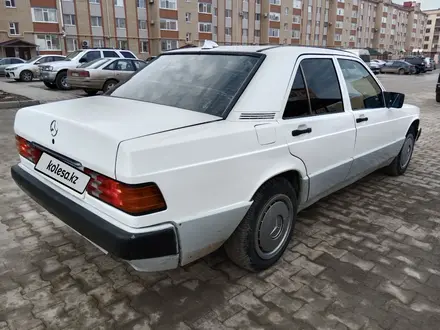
pixel 18 104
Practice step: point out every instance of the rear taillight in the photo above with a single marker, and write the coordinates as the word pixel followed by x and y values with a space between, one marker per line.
pixel 84 74
pixel 27 149
pixel 132 199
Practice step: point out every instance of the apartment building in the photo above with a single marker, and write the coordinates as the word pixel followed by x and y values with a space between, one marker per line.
pixel 431 43
pixel 148 27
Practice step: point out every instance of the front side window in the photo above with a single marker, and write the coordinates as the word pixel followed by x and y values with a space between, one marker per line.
pixel 298 103
pixel 206 83
pixel 364 91
pixel 92 55
pixel 124 65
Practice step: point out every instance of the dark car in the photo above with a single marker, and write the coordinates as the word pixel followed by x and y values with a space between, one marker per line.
pixel 437 90
pixel 399 67
pixel 418 62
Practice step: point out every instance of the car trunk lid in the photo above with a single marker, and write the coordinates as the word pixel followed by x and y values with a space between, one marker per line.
pixel 89 130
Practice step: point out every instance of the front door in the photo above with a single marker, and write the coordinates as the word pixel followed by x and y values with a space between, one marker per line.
pixel 379 130
pixel 317 128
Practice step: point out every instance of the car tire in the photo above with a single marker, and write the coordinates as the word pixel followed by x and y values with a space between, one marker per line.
pixel 437 97
pixel 26 76
pixel 260 239
pixel 91 92
pixel 108 85
pixel 401 162
pixel 401 71
pixel 61 81
pixel 50 85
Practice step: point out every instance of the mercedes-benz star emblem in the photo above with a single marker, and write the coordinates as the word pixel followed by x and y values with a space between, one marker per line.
pixel 53 128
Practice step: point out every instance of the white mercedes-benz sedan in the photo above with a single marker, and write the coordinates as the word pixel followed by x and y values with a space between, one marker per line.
pixel 209 147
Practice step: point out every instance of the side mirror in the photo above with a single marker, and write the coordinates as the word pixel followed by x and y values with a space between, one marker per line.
pixel 394 100
pixel 82 60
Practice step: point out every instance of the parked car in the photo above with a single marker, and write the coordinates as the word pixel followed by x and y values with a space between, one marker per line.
pixel 375 67
pixel 434 66
pixel 364 54
pixel 418 62
pixel 103 74
pixel 29 70
pixel 212 146
pixel 55 74
pixel 399 67
pixel 4 62
pixel 428 64
pixel 437 90
pixel 380 62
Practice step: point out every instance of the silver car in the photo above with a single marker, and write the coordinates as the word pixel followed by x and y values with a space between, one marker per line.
pixel 4 62
pixel 103 74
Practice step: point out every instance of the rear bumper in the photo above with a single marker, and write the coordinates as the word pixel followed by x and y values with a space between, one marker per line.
pixel 159 246
pixel 84 84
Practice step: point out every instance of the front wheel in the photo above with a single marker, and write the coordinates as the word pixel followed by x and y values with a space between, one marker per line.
pixel 50 85
pixel 266 230
pixel 61 81
pixel 109 85
pixel 26 75
pixel 401 162
pixel 401 71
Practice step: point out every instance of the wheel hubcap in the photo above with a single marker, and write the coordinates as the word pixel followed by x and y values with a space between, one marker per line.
pixel 27 76
pixel 64 82
pixel 273 226
pixel 406 152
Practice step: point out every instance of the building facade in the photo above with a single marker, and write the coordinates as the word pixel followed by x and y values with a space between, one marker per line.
pixel 431 42
pixel 148 27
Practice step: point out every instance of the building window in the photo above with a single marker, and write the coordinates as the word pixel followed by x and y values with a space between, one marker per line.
pixel 143 46
pixel 141 3
pixel 274 17
pixel 257 16
pixel 296 34
pixel 13 28
pixel 340 12
pixel 69 19
pixel 168 4
pixel 168 24
pixel 228 13
pixel 96 21
pixel 120 23
pixel 142 24
pixel 228 31
pixel 168 44
pixel 119 3
pixel 46 15
pixel 257 33
pixel 188 37
pixel 286 11
pixel 274 32
pixel 275 2
pixel 188 17
pixel 297 19
pixel 47 42
pixel 122 44
pixel 339 24
pixel 205 27
pixel 286 27
pixel 338 37
pixel 297 4
pixel 94 1
pixel 244 32
pixel 245 15
pixel 72 44
pixel 10 3
pixel 204 8
pixel 98 43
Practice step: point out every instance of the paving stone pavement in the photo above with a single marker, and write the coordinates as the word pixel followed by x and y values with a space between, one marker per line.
pixel 367 257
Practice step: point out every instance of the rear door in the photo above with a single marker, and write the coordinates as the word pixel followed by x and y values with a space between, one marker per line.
pixel 317 128
pixel 379 130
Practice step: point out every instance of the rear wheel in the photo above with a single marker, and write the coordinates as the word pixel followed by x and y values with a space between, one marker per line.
pixel 401 71
pixel 91 92
pixel 26 75
pixel 109 84
pixel 50 85
pixel 61 81
pixel 266 230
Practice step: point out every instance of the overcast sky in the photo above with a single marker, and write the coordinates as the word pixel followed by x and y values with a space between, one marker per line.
pixel 426 4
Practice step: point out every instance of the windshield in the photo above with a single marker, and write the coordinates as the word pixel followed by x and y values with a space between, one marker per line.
pixel 95 63
pixel 33 59
pixel 72 55
pixel 205 83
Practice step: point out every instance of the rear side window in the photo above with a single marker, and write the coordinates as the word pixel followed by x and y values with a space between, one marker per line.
pixel 92 55
pixel 110 53
pixel 207 83
pixel 127 54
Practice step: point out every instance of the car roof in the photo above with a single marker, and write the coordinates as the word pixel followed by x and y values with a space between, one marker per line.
pixel 267 49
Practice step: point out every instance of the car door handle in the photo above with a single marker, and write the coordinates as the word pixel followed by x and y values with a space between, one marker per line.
pixel 301 131
pixel 361 119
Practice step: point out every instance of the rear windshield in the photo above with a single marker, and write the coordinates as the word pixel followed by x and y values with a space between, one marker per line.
pixel 199 82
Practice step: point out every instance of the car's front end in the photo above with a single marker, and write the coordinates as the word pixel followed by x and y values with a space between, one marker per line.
pixel 48 72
